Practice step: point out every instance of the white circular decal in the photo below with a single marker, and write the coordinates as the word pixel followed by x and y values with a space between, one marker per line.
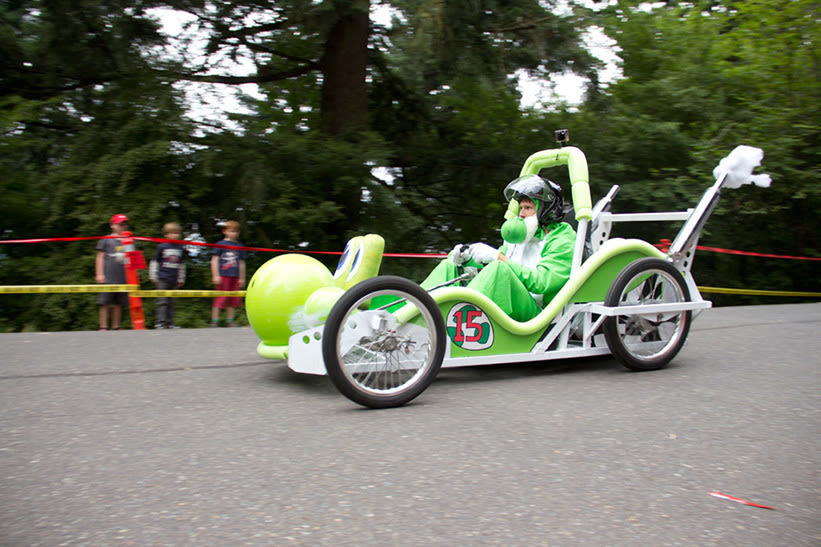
pixel 469 327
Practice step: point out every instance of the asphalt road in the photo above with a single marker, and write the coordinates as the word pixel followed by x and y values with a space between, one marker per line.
pixel 188 437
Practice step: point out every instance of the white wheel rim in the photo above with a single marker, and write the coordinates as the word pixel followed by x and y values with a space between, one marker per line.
pixel 648 336
pixel 389 360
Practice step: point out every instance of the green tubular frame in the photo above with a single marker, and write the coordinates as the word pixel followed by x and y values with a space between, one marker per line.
pixel 589 283
pixel 577 169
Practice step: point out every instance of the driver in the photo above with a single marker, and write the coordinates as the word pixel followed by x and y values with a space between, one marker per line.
pixel 534 261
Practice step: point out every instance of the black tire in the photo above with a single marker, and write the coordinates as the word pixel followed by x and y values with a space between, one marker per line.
pixel 644 342
pixel 387 366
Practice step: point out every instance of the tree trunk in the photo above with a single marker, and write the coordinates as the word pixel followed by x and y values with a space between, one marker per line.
pixel 344 107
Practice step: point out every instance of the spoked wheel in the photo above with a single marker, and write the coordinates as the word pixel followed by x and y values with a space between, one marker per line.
pixel 647 342
pixel 370 356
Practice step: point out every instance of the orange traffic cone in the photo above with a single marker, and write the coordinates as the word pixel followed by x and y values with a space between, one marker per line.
pixel 134 261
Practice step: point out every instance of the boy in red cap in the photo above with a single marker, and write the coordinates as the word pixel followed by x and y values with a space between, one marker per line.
pixel 109 268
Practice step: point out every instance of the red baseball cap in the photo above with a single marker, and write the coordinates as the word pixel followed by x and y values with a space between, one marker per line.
pixel 119 219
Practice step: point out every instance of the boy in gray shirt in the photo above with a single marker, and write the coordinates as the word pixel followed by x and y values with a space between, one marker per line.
pixel 109 268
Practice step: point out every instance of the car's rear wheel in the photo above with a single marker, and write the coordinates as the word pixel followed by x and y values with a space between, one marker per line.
pixel 642 341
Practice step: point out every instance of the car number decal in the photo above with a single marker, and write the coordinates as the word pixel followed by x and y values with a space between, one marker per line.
pixel 469 327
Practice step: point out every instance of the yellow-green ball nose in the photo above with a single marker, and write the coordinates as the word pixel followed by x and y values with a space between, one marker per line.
pixel 279 290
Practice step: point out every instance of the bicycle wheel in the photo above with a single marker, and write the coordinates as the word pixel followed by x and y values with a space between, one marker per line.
pixel 373 359
pixel 647 342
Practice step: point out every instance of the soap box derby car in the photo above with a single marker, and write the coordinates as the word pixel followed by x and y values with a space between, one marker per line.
pixel 383 339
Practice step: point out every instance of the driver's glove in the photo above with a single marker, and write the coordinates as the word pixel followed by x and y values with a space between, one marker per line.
pixel 460 254
pixel 483 253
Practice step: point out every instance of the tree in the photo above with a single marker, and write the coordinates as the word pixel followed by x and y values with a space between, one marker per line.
pixel 87 130
pixel 443 96
pixel 287 40
pixel 700 79
pixel 423 84
pixel 93 124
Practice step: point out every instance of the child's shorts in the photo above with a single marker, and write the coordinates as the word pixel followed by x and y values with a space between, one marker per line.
pixel 228 284
pixel 112 298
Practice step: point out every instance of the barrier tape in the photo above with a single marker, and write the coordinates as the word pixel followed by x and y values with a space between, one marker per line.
pixel 185 293
pixel 52 239
pixel 664 244
pixel 756 292
pixel 25 289
pixel 748 253
pixel 47 289
pixel 415 255
pixel 217 245
pixel 233 247
pixel 163 240
pixel 132 290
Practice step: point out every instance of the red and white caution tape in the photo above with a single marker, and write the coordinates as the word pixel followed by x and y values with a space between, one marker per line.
pixel 739 500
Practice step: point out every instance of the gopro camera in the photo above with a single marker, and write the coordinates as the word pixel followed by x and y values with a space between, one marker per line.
pixel 562 136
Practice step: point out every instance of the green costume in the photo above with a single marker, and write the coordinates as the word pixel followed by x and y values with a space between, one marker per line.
pixel 534 273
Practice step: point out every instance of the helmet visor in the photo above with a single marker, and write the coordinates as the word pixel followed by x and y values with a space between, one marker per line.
pixel 531 186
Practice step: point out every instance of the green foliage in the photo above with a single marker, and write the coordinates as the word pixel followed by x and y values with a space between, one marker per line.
pixel 699 81
pixel 285 190
pixel 441 42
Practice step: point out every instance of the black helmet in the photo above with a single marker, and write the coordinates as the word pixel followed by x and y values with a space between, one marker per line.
pixel 546 193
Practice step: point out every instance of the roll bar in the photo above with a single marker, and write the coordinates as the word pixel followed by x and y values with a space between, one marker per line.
pixel 577 169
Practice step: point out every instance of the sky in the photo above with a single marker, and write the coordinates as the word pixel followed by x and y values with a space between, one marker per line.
pixel 569 87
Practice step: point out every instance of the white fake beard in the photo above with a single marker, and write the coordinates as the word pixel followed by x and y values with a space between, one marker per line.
pixel 532 225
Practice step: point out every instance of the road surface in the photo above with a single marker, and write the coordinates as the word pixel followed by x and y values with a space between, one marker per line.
pixel 188 437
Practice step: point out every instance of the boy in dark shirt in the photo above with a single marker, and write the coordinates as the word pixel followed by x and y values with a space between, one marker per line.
pixel 167 271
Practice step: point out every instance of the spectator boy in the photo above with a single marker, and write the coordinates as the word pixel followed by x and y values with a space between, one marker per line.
pixel 167 271
pixel 228 274
pixel 109 268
